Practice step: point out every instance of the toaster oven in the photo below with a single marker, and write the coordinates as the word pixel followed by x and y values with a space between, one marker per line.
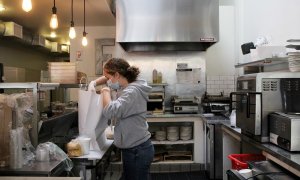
pixel 260 94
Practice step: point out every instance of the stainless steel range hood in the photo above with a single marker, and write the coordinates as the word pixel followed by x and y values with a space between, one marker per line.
pixel 167 25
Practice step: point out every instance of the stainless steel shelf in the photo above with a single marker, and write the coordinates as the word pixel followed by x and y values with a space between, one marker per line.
pixel 72 85
pixel 157 84
pixel 263 62
pixel 36 87
pixel 173 142
pixel 293 40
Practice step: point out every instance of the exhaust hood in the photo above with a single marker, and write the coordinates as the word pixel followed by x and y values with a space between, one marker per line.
pixel 167 25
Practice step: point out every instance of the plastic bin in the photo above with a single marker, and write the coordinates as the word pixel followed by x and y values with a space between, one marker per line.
pixel 239 161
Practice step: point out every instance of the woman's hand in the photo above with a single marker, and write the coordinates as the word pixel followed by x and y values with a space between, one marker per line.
pixel 101 80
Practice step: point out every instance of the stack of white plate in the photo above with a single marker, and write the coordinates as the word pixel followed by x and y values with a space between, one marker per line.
pixel 185 133
pixel 160 135
pixel 294 61
pixel 172 133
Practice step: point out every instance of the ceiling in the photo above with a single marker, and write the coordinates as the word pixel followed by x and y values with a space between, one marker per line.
pixel 37 20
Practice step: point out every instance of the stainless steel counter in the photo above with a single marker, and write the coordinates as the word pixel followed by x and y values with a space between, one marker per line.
pixel 288 160
pixel 38 178
pixel 52 168
pixel 172 115
pixel 95 161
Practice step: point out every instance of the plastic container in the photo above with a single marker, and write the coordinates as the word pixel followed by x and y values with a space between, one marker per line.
pixel 85 144
pixel 239 161
pixel 42 154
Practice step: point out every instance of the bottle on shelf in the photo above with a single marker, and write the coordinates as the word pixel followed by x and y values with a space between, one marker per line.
pixel 154 76
pixel 159 77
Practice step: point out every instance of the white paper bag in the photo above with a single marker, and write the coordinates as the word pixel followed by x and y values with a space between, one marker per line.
pixel 91 122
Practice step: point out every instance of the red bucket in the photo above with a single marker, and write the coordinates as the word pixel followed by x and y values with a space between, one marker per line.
pixel 239 161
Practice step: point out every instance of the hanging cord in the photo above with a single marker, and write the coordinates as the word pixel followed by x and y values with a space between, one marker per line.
pixel 72 10
pixel 54 8
pixel 84 16
pixel 72 21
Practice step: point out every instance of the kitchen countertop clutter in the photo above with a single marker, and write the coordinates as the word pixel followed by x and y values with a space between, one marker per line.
pixel 286 159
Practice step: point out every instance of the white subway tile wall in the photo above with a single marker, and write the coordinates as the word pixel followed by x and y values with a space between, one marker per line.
pixel 215 84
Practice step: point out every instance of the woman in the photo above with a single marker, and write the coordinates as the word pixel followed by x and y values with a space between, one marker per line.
pixel 129 109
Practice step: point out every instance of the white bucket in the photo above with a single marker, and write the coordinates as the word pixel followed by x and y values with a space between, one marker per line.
pixel 85 144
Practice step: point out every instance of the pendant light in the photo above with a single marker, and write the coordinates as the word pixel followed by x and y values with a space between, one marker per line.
pixel 26 5
pixel 72 32
pixel 84 39
pixel 53 21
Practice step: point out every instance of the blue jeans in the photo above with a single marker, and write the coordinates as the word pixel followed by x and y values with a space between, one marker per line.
pixel 137 161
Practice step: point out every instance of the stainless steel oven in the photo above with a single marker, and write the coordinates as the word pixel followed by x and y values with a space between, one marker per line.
pixel 259 95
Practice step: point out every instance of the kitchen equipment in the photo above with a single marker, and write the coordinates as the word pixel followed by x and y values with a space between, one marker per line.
pixel 156 98
pixel 215 103
pixel 214 144
pixel 185 105
pixel 260 94
pixel 155 102
pixel 246 47
pixel 166 25
pixel 284 130
pixel 214 150
pixel 290 90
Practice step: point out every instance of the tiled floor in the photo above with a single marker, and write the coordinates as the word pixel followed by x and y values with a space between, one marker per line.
pixel 197 175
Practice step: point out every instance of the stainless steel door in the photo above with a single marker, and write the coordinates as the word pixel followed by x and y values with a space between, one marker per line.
pixel 248 118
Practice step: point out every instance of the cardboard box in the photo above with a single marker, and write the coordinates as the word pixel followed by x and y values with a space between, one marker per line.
pixel 5 127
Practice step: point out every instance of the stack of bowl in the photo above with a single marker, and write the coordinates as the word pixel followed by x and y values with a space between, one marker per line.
pixel 173 133
pixel 160 135
pixel 185 133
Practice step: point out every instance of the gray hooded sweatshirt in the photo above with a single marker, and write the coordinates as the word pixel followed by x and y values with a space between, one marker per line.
pixel 129 110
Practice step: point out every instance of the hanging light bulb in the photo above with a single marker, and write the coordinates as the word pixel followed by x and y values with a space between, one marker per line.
pixel 2 8
pixel 54 21
pixel 84 39
pixel 72 32
pixel 27 5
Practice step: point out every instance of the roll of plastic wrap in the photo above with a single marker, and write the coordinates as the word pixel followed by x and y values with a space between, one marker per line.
pixel 16 144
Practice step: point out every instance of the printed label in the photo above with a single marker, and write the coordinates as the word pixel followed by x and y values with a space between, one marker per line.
pixel 273 138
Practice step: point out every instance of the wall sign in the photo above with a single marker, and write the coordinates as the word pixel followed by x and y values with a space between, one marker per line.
pixel 101 57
